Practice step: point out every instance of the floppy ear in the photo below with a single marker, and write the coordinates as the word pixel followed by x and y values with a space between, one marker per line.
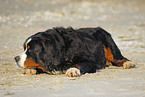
pixel 50 56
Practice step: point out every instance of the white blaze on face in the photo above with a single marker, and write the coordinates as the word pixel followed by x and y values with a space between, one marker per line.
pixel 23 56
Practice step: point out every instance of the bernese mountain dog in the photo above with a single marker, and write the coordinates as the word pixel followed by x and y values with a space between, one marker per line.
pixel 70 51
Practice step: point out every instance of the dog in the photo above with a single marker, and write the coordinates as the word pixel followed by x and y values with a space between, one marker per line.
pixel 70 51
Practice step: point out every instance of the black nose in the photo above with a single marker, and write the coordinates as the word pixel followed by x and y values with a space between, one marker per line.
pixel 17 58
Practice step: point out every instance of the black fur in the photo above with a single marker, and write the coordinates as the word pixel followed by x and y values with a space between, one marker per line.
pixel 61 48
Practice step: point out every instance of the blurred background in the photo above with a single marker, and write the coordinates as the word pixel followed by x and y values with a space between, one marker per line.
pixel 76 13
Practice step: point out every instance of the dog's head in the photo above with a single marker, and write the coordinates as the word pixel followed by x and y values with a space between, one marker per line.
pixel 40 50
pixel 31 55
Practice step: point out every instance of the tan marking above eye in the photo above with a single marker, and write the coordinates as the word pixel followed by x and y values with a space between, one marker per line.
pixel 28 47
pixel 40 61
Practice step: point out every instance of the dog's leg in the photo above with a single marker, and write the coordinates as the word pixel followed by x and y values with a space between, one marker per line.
pixel 112 52
pixel 81 68
pixel 30 71
pixel 73 72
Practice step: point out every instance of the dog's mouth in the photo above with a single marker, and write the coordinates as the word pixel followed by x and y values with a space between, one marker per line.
pixel 20 59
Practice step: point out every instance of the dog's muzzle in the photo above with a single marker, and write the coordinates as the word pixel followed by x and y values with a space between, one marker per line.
pixel 20 60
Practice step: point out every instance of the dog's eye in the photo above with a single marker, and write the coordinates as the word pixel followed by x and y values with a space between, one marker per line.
pixel 29 50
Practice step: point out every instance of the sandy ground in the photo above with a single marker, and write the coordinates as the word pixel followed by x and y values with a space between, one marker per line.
pixel 124 19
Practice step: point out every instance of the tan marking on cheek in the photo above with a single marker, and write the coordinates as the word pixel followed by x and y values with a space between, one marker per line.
pixel 29 63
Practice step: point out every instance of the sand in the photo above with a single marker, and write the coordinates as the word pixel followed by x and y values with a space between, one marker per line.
pixel 124 19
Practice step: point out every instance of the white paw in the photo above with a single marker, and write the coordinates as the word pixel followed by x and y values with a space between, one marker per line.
pixel 30 71
pixel 73 72
pixel 128 65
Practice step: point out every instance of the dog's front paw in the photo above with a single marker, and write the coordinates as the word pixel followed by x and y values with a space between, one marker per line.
pixel 128 65
pixel 73 72
pixel 30 71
